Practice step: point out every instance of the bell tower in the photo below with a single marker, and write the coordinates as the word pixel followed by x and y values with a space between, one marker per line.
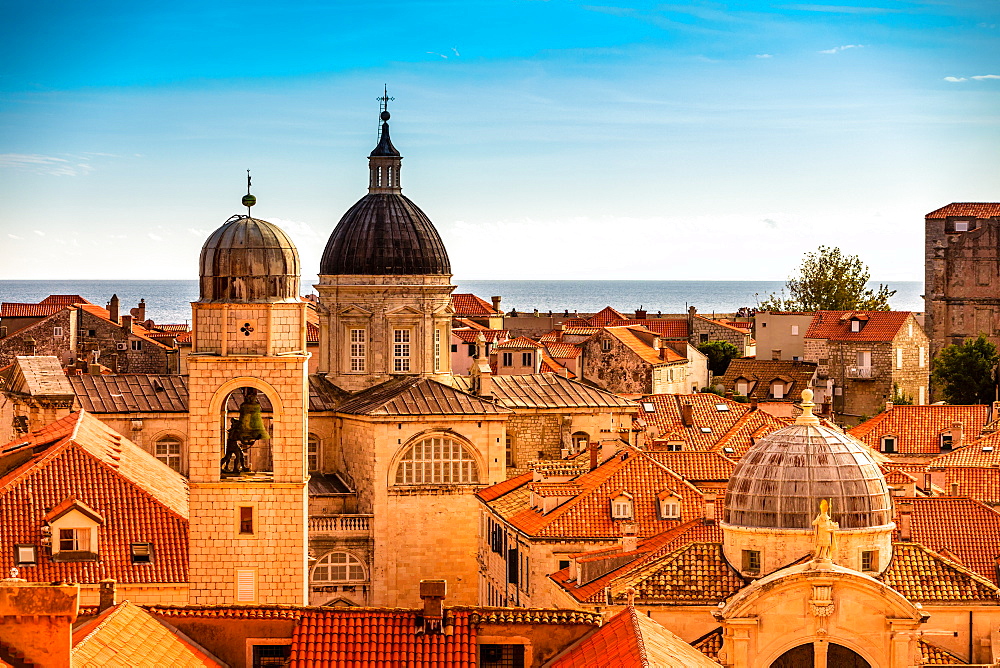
pixel 384 284
pixel 248 393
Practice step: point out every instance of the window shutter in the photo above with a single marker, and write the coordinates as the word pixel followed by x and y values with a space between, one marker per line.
pixel 245 590
pixel 512 564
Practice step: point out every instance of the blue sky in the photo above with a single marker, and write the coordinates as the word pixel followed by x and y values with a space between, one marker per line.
pixel 546 140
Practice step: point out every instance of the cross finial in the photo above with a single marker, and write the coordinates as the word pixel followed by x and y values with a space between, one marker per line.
pixel 385 100
pixel 248 199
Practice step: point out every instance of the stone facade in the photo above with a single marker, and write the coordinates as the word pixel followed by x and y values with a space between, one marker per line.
pixel 781 335
pixel 702 330
pixel 613 366
pixel 540 434
pixel 962 274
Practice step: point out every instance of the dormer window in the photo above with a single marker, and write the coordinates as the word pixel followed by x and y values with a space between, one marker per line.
pixel 670 506
pixel 26 555
pixel 889 444
pixel 778 389
pixel 73 529
pixel 946 440
pixel 621 507
pixel 856 325
pixel 961 226
pixel 142 553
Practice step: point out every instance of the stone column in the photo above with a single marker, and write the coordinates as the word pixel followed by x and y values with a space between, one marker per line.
pixel 820 648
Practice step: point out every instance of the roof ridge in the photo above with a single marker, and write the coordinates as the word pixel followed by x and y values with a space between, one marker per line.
pixel 639 640
pixel 951 563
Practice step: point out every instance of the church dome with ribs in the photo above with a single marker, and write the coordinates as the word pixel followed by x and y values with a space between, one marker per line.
pixel 384 233
pixel 249 260
pixel 781 480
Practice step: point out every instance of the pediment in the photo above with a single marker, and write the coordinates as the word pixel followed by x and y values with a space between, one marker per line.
pixel 403 310
pixel 446 310
pixel 356 311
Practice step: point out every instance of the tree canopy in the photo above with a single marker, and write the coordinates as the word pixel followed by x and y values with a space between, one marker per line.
pixel 719 354
pixel 965 371
pixel 828 280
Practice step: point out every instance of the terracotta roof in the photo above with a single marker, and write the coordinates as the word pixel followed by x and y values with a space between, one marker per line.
pixel 470 335
pixel 131 393
pixel 465 322
pixel 46 307
pixel 921 575
pixel 836 325
pixel 982 484
pixel 696 466
pixel 531 616
pixel 560 350
pixel 736 423
pixel 632 337
pixel 724 324
pixel 550 390
pixel 898 477
pixel 696 574
pixel 977 209
pixel 177 328
pixel 412 395
pixel 631 639
pixel 469 304
pixel 360 638
pixel 312 333
pixel 983 452
pixel 606 316
pixel 710 644
pixel 918 428
pixel 965 528
pixel 932 655
pixel 127 635
pixel 557 335
pixel 587 514
pixel 668 328
pixel 228 611
pixel 761 373
pixel 140 499
pixel 137 329
pixel 550 365
pixel 519 342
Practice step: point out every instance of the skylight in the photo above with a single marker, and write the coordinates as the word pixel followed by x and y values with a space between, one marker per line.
pixel 706 430
pixel 648 407
pixel 722 408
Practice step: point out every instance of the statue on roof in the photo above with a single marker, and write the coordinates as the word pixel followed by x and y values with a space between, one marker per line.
pixel 825 528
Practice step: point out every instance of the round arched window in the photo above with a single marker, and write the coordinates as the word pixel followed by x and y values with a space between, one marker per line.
pixel 435 461
pixel 338 567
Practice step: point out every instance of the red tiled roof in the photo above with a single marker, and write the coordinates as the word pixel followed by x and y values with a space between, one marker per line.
pixel 696 466
pixel 127 635
pixel 983 452
pixel 469 304
pixel 664 423
pixel 140 499
pixel 137 329
pixel 897 477
pixel 965 528
pixel 977 209
pixel 549 365
pixel 519 342
pixel 921 575
pixel 631 639
pixel 312 333
pixel 557 334
pixel 465 322
pixel 750 428
pixel 932 655
pixel 470 335
pixel 46 307
pixel 725 324
pixel 588 514
pixel 361 638
pixel 606 316
pixel 561 351
pixel 64 300
pixel 631 337
pixel 836 325
pixel 918 428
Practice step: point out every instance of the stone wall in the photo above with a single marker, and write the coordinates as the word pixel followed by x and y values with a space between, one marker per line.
pixel 701 330
pixel 535 436
pixel 611 365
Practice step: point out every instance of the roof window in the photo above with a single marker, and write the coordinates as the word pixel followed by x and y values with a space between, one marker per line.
pixel 706 430
pixel 142 553
pixel 621 506
pixel 648 407
pixel 722 408
pixel 728 451
pixel 856 325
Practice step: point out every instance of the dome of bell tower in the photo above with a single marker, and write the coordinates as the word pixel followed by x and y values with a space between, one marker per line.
pixel 249 260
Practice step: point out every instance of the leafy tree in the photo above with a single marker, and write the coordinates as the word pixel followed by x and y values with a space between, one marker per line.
pixel 965 372
pixel 719 354
pixel 899 397
pixel 828 280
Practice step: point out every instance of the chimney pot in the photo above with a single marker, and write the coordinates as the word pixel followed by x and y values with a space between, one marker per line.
pixel 753 403
pixel 905 516
pixel 687 415
pixel 126 322
pixel 108 597
pixel 113 309
pixel 957 434
pixel 928 486
pixel 710 509
pixel 595 451
pixel 496 303
pixel 954 489
pixel 433 592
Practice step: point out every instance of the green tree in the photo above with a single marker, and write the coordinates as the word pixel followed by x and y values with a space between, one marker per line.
pixel 899 397
pixel 965 372
pixel 719 354
pixel 828 280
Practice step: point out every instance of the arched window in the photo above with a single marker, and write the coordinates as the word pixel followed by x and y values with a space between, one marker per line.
pixel 168 450
pixel 313 453
pixel 580 440
pixel 437 460
pixel 338 567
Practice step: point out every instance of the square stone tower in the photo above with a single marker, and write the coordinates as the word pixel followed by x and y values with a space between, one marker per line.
pixel 248 410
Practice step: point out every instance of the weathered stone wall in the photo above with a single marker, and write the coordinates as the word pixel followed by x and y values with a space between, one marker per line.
pixel 613 366
pixel 702 330
pixel 961 281
pixel 911 368
pixel 534 436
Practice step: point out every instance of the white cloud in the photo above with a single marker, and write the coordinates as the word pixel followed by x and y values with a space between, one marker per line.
pixel 296 228
pixel 198 233
pixel 40 233
pixel 14 236
pixel 955 79
pixel 763 55
pixel 43 164
pixel 980 77
pixel 838 49
pixel 154 237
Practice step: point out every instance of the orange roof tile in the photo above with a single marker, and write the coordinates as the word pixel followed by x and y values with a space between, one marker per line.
pixel 549 365
pixel 795 377
pixel 665 423
pixel 668 328
pixel 137 329
pixel 312 332
pixel 696 466
pixel 588 514
pixel 562 350
pixel 632 337
pixel 977 209
pixel 725 324
pixel 963 527
pixel 981 484
pixel 897 477
pixel 466 304
pixel 918 428
pixel 519 342
pixel 750 428
pixel 631 639
pixel 127 635
pixel 557 334
pixel 470 335
pixel 140 499
pixel 932 655
pixel 606 316
pixel 836 325
pixel 921 575
pixel 983 452
pixel 710 644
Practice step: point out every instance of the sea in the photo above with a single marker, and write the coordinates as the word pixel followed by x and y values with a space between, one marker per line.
pixel 170 301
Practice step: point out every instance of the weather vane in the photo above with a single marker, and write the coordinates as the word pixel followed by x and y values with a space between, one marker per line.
pixel 385 100
pixel 248 199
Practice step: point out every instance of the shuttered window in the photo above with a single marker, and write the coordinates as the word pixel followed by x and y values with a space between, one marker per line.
pixel 246 591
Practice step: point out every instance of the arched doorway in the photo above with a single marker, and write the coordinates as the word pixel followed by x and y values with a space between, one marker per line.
pixel 804 656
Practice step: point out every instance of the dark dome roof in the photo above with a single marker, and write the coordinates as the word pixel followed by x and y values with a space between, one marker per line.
pixel 385 233
pixel 248 260
pixel 783 477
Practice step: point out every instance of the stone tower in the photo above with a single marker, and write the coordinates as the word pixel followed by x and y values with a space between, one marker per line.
pixel 384 286
pixel 248 402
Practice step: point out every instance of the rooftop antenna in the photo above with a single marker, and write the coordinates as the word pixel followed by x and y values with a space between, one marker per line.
pixel 248 199
pixel 384 106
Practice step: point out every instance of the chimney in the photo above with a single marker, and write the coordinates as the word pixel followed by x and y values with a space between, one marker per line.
pixel 485 382
pixel 656 344
pixel 905 512
pixel 139 313
pixel 710 509
pixel 957 432
pixel 113 309
pixel 126 322
pixel 496 303
pixel 432 593
pixel 595 454
pixel 954 489
pixel 753 403
pixel 560 327
pixel 928 486
pixel 94 369
pixel 888 406
pixel 107 594
pixel 729 394
pixel 630 541
pixel 687 415
pixel 640 314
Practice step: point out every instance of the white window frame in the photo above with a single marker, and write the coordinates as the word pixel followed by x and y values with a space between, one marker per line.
pixel 358 349
pixel 353 568
pixel 437 460
pixel 312 452
pixel 899 358
pixel 921 356
pixel 135 345
pixel 670 508
pixel 622 508
pixel 166 456
pixel 895 444
pixel 74 539
pixel 855 325
pixel 605 345
pixel 961 226
pixel 25 555
pixel 795 330
pixel 57 331
pixel 401 350
pixel 437 350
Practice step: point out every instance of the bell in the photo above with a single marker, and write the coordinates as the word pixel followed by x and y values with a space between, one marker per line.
pixel 251 424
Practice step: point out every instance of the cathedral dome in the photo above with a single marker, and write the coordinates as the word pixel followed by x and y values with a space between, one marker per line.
pixel 249 260
pixel 781 480
pixel 384 233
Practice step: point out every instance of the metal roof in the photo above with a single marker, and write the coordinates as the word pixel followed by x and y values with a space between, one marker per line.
pixel 550 390
pixel 248 260
pixel 412 395
pixel 131 393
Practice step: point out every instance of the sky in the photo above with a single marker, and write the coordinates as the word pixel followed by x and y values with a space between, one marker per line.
pixel 546 140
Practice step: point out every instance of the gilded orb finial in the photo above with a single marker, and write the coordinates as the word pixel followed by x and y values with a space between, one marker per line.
pixel 807 416
pixel 248 199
